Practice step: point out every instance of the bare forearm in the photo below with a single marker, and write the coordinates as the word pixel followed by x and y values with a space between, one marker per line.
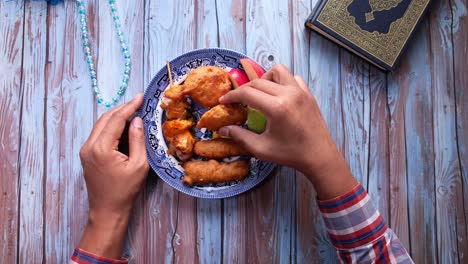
pixel 104 235
pixel 332 176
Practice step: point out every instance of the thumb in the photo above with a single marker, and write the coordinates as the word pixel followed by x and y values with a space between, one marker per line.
pixel 247 139
pixel 136 140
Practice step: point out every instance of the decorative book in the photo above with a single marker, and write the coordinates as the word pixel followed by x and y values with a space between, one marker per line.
pixel 376 30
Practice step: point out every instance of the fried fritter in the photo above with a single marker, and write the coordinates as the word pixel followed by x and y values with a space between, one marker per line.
pixel 206 172
pixel 183 142
pixel 175 92
pixel 174 127
pixel 219 148
pixel 176 109
pixel 207 84
pixel 223 115
pixel 180 139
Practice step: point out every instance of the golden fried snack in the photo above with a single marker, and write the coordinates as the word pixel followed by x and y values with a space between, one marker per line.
pixel 219 148
pixel 180 139
pixel 176 109
pixel 223 115
pixel 174 127
pixel 206 172
pixel 175 92
pixel 183 142
pixel 207 84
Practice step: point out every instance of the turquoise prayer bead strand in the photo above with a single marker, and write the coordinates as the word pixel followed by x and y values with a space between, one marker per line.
pixel 89 58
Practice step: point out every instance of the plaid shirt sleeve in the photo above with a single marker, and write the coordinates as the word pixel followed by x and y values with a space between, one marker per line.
pixel 83 257
pixel 358 231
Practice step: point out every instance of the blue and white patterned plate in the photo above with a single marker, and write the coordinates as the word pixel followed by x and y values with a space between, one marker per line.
pixel 166 166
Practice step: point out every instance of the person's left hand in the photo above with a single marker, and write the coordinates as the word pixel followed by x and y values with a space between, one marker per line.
pixel 113 179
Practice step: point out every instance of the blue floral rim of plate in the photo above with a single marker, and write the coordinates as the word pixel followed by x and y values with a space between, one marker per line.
pixel 166 166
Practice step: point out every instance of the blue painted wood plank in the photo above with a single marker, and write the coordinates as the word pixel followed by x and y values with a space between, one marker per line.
pixel 356 115
pixel 11 19
pixel 451 230
pixel 69 119
pixel 460 38
pixel 379 164
pixel 396 97
pixel 32 133
pixel 209 234
pixel 415 82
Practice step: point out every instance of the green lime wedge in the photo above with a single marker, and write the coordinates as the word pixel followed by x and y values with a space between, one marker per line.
pixel 256 121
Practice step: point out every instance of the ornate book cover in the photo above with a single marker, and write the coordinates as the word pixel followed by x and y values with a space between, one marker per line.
pixel 376 30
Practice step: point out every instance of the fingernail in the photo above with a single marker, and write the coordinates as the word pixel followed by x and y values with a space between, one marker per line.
pixel 224 132
pixel 221 98
pixel 137 122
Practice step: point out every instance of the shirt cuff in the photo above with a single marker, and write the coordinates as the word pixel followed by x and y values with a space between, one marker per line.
pixel 83 257
pixel 351 219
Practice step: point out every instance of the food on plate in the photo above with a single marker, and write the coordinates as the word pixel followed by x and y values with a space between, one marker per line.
pixel 238 77
pixel 176 109
pixel 174 127
pixel 175 92
pixel 181 141
pixel 223 115
pixel 184 143
pixel 208 172
pixel 219 148
pixel 252 69
pixel 205 85
pixel 256 121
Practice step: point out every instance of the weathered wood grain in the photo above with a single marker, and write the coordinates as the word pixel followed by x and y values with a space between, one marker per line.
pixel 399 215
pixel 69 119
pixel 172 226
pixel 460 67
pixel 11 56
pixel 55 229
pixel 32 171
pixel 415 82
pixel 231 24
pixel 450 217
pixel 110 60
pixel 356 116
pixel 324 83
pixel 209 231
pixel 379 164
pixel 268 41
pixel 404 134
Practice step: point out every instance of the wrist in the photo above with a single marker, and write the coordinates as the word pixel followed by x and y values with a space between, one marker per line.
pixel 112 220
pixel 330 174
pixel 105 233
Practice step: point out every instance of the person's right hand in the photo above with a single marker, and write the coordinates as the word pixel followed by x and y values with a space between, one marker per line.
pixel 296 134
pixel 113 179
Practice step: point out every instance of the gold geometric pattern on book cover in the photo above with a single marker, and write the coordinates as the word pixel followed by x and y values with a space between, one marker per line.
pixel 378 5
pixel 385 47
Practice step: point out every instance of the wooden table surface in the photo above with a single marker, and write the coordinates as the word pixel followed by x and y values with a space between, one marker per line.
pixel 405 135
